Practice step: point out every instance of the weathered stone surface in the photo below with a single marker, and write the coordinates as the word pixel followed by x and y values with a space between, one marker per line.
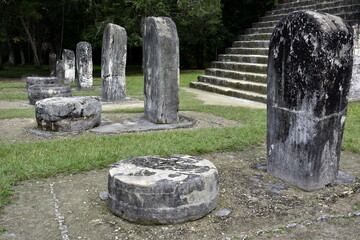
pixel 309 74
pixel 161 70
pixel 37 80
pixel 354 94
pixel 113 63
pixel 42 91
pixel 68 60
pixel 67 114
pixel 60 70
pixel 138 124
pixel 84 65
pixel 52 64
pixel 154 189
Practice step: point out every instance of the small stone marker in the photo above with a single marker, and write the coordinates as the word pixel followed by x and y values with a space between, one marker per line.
pixel 68 60
pixel 84 65
pixel 52 64
pixel 60 70
pixel 161 70
pixel 113 63
pixel 309 74
pixel 37 80
pixel 154 189
pixel 68 114
pixel 42 91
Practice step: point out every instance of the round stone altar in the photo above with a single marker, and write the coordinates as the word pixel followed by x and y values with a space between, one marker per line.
pixel 36 80
pixel 42 91
pixel 68 114
pixel 163 190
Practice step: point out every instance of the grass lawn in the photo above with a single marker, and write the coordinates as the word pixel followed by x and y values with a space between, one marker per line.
pixel 23 161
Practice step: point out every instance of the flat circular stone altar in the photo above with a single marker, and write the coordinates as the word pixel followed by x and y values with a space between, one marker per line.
pixel 68 114
pixel 41 91
pixel 36 80
pixel 163 190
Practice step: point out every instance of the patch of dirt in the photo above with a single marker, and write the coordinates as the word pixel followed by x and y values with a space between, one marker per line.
pixel 19 129
pixel 262 207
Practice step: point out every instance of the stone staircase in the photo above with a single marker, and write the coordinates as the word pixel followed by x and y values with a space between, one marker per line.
pixel 241 71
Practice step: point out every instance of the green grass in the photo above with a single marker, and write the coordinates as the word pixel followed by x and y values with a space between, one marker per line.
pixel 17 113
pixel 351 138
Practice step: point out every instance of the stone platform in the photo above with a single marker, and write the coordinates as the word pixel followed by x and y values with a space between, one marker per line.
pixel 41 91
pixel 163 190
pixel 140 124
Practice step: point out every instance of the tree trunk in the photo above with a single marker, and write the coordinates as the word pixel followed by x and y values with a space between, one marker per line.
pixel 32 43
pixel 11 60
pixel 200 56
pixel 22 55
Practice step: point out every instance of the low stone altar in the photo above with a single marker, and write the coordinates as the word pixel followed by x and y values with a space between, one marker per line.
pixel 68 114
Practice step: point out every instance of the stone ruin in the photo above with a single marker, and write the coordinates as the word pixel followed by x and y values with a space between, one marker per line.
pixel 113 62
pixel 68 114
pixel 84 65
pixel 309 74
pixel 354 93
pixel 38 80
pixel 68 61
pixel 161 70
pixel 41 91
pixel 163 190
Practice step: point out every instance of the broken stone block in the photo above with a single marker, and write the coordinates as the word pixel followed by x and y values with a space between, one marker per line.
pixel 42 91
pixel 163 190
pixel 113 63
pixel 161 70
pixel 68 114
pixel 309 73
pixel 84 65
pixel 68 60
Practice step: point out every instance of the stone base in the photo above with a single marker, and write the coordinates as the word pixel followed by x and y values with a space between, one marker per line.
pixel 163 190
pixel 42 91
pixel 71 114
pixel 138 124
pixel 36 80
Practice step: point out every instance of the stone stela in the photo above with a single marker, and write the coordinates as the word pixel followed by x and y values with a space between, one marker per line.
pixel 309 74
pixel 113 63
pixel 68 60
pixel 84 65
pixel 161 70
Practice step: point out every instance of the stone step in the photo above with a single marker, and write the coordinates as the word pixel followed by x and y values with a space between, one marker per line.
pixel 255 36
pixel 246 76
pixel 342 12
pixel 248 51
pixel 229 91
pixel 317 6
pixel 243 58
pixel 259 30
pixel 251 44
pixel 240 66
pixel 237 84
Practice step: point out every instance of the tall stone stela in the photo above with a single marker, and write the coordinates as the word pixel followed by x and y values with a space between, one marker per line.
pixel 161 70
pixel 68 60
pixel 113 63
pixel 84 65
pixel 309 74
